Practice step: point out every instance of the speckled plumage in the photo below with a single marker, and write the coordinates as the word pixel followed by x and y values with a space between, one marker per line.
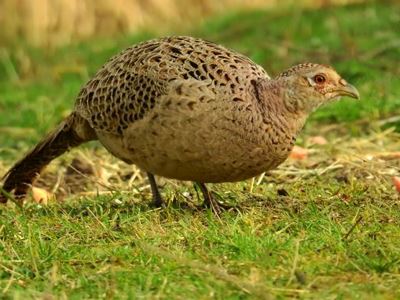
pixel 131 83
pixel 188 109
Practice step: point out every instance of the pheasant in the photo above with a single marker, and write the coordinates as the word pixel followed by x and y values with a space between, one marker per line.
pixel 187 109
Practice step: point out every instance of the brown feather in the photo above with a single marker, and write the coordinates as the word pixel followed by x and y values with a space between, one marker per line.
pixel 21 176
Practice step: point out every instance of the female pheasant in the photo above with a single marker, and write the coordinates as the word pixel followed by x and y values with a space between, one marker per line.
pixel 187 109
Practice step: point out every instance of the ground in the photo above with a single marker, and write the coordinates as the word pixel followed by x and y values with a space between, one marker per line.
pixel 325 226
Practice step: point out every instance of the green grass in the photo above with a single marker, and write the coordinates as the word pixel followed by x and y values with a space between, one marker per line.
pixel 335 236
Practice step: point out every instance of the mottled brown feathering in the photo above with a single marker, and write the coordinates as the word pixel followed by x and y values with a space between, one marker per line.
pixel 188 109
pixel 131 83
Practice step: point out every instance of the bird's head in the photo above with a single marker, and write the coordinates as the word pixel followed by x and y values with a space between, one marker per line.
pixel 308 86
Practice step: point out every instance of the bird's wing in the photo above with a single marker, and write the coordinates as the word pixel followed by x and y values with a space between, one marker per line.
pixel 110 103
pixel 128 86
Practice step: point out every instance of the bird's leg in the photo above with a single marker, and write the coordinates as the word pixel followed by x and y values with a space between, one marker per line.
pixel 209 200
pixel 157 200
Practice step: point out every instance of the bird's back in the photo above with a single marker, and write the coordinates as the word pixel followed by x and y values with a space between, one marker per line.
pixel 132 82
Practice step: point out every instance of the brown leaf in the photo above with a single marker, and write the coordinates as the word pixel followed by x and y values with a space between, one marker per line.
pixel 318 140
pixel 388 155
pixel 298 153
pixel 396 183
pixel 41 196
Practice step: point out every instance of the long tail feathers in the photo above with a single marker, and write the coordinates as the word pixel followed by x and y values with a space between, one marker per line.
pixel 21 176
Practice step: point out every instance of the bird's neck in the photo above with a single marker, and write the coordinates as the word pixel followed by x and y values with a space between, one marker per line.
pixel 277 105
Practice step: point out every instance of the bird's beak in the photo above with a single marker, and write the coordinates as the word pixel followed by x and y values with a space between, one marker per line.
pixel 348 90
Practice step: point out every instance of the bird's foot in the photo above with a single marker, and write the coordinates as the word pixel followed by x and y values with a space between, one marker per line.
pixel 210 201
pixel 157 199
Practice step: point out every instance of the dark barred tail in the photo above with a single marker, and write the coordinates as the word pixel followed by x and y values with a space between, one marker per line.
pixel 21 176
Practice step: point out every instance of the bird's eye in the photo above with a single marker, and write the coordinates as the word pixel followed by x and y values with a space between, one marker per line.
pixel 319 78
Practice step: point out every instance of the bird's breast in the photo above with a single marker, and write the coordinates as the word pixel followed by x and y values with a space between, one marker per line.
pixel 209 144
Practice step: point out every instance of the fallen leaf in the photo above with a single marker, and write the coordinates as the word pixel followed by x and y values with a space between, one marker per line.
pixel 396 182
pixel 298 153
pixel 318 140
pixel 41 196
pixel 388 155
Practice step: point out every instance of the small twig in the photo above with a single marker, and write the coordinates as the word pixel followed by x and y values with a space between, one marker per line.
pixel 108 187
pixel 260 178
pixel 97 219
pixel 294 266
pixel 393 119
pixel 352 228
pixel 9 282
pixel 58 182
pixel 334 166
pixel 136 174
pixel 97 193
pixel 252 185
pixel 11 271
